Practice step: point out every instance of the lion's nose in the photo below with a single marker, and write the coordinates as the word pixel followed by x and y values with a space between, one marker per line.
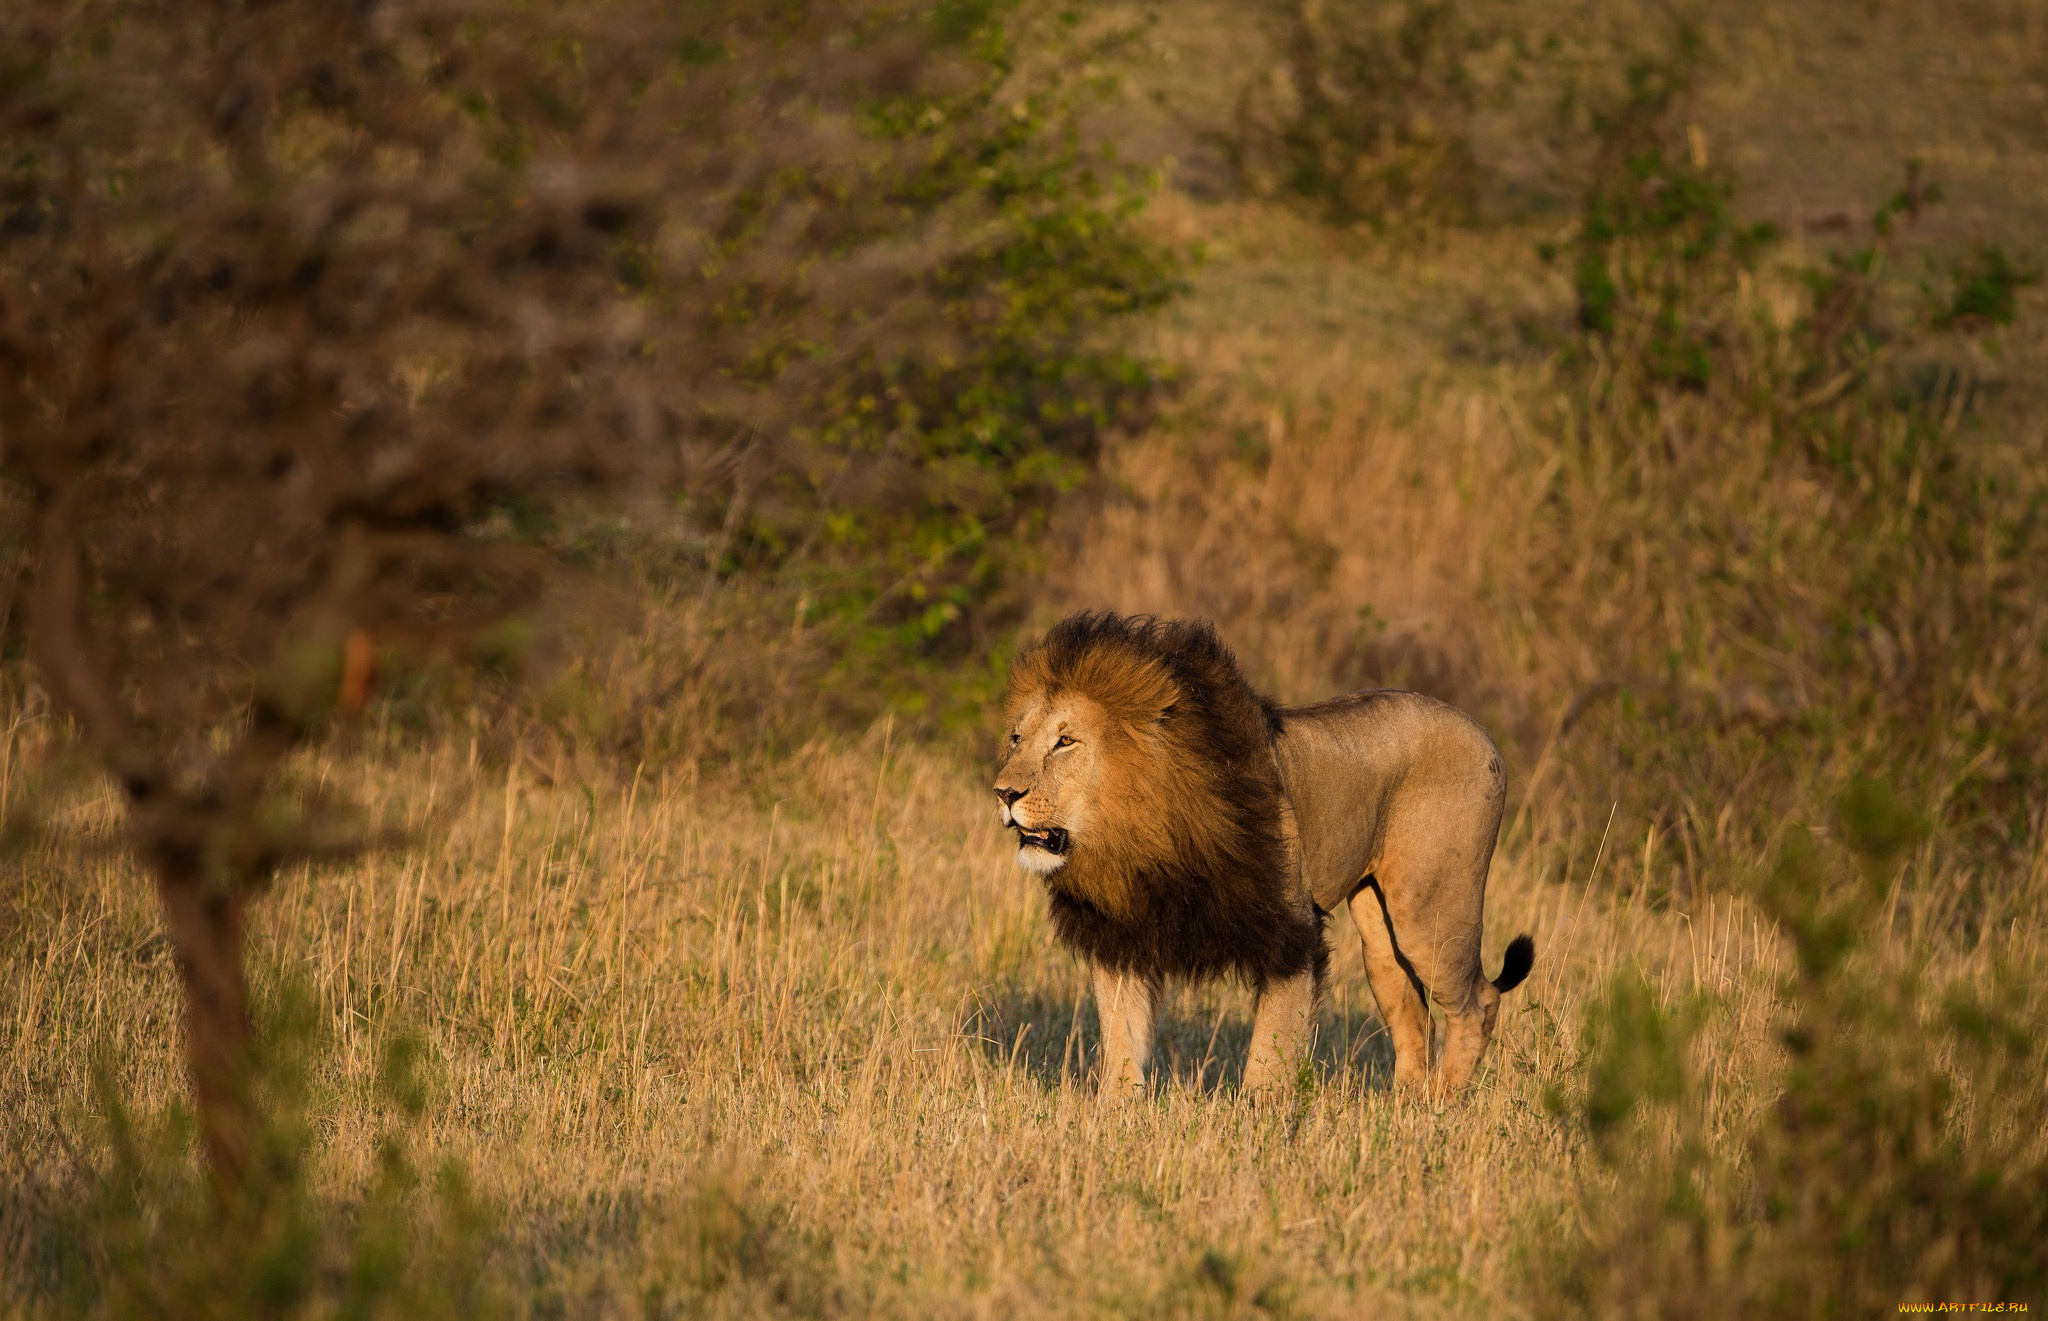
pixel 1009 795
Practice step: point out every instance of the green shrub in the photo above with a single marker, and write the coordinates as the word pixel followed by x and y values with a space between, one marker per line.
pixel 1899 1156
pixel 919 476
pixel 1758 472
pixel 1658 251
pixel 1372 121
pixel 1985 289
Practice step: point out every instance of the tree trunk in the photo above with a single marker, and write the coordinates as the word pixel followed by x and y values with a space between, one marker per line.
pixel 206 933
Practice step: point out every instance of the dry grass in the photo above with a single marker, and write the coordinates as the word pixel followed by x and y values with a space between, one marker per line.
pixel 808 1048
pixel 845 1006
pixel 1339 497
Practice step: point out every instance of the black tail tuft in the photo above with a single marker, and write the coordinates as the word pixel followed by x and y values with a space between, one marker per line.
pixel 1515 964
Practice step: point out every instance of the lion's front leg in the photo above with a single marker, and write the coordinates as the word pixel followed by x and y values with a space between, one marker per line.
pixel 1127 1004
pixel 1280 1029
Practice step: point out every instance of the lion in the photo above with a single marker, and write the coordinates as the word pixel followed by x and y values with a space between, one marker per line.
pixel 1185 826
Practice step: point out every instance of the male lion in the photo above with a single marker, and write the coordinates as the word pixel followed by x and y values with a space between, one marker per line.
pixel 1185 825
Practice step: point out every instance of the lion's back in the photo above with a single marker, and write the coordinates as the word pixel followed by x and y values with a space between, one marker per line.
pixel 1349 763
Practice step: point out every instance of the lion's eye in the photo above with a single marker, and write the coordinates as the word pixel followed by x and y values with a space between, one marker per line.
pixel 1064 742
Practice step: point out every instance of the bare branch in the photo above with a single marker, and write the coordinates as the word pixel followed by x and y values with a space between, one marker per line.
pixel 73 669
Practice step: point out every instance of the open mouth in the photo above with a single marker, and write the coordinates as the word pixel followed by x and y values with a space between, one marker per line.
pixel 1052 839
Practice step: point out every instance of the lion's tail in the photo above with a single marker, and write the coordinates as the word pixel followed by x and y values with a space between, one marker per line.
pixel 1515 964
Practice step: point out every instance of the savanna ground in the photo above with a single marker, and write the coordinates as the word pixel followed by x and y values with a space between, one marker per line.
pixel 786 1034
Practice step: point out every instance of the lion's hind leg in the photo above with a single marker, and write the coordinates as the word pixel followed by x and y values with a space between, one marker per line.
pixel 1395 988
pixel 1445 965
pixel 1466 1032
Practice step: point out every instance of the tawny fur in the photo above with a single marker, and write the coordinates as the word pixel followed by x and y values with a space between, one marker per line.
pixel 1209 830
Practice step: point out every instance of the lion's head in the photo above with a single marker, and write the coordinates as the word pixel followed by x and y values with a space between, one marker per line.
pixel 1139 775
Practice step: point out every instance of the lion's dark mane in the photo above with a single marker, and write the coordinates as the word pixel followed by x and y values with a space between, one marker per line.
pixel 1233 908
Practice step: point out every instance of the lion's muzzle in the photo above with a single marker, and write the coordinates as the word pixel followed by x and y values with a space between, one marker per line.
pixel 1052 840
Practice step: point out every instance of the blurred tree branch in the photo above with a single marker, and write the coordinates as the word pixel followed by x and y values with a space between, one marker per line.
pixel 292 296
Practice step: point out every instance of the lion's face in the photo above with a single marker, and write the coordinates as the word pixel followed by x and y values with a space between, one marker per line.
pixel 1052 772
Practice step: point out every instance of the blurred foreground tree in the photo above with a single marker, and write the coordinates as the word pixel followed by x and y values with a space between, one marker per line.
pixel 292 296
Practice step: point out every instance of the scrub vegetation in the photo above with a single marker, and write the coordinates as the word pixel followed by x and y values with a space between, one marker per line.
pixel 624 929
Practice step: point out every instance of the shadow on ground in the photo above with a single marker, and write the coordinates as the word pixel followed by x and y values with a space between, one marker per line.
pixel 1053 1038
